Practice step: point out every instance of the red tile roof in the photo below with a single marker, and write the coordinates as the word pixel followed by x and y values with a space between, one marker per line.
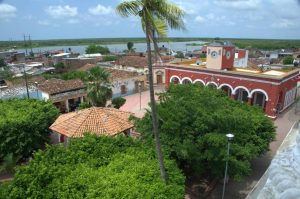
pixel 53 86
pixel 96 120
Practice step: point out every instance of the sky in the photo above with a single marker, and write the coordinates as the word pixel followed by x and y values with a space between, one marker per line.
pixel 62 19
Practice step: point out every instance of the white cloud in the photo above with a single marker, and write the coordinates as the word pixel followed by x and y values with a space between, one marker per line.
pixel 283 23
pixel 199 19
pixel 73 21
pixel 44 22
pixel 62 11
pixel 7 11
pixel 101 10
pixel 239 4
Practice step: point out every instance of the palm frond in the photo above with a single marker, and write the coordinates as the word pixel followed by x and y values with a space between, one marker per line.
pixel 128 8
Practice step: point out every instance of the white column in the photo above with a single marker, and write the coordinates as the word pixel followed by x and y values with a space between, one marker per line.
pixel 67 106
pixel 81 99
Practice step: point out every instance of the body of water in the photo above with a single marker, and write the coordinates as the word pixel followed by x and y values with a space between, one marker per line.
pixel 118 48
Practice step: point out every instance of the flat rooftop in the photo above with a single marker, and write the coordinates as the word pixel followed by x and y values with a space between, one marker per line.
pixel 270 72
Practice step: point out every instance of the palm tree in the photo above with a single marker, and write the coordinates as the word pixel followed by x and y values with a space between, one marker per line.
pixel 156 16
pixel 98 86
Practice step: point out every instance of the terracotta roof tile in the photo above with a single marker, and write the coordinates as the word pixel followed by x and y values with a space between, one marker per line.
pixel 96 120
pixel 53 86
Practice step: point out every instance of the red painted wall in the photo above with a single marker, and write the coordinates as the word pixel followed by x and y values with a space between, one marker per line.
pixel 228 63
pixel 272 87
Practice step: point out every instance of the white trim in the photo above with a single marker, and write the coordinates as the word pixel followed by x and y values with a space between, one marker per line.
pixel 211 82
pixel 199 80
pixel 191 81
pixel 176 77
pixel 227 86
pixel 243 87
pixel 239 78
pixel 260 90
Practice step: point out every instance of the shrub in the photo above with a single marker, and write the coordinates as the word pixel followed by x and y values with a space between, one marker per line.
pixel 118 102
pixel 96 167
pixel 24 126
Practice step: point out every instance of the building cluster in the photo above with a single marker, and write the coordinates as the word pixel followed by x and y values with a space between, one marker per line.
pixel 244 75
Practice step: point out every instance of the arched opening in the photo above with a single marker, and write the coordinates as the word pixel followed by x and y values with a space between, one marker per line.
pixel 186 81
pixel 200 83
pixel 241 95
pixel 259 99
pixel 212 85
pixel 175 80
pixel 226 89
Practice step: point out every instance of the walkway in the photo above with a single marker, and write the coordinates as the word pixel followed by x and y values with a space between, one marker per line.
pixel 133 102
pixel 240 190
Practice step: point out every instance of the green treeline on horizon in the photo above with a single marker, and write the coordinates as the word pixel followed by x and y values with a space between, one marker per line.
pixel 263 44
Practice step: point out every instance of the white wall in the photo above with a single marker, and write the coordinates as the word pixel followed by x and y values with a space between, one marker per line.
pixel 45 96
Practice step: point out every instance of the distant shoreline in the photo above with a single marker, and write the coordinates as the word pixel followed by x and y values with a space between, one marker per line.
pixel 263 44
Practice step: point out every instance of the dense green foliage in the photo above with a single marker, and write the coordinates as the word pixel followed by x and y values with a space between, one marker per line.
pixel 179 54
pixel 91 49
pixel 109 58
pixel 60 67
pixel 24 126
pixel 2 63
pixel 96 167
pixel 130 45
pixel 98 86
pixel 84 105
pixel 67 75
pixel 193 124
pixel 288 60
pixel 118 102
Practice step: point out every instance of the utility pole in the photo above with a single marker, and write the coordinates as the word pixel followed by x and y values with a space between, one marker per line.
pixel 26 81
pixel 25 44
pixel 30 45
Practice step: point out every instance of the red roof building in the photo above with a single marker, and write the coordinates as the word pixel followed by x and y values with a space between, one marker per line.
pixel 273 90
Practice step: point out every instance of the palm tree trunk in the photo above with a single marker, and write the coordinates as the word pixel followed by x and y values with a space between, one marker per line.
pixel 153 109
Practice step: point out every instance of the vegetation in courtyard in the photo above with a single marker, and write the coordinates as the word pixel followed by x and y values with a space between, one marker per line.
pixel 98 86
pixel 193 123
pixel 108 58
pixel 118 102
pixel 24 126
pixel 84 105
pixel 92 49
pixel 156 17
pixel 288 60
pixel 96 167
pixel 5 72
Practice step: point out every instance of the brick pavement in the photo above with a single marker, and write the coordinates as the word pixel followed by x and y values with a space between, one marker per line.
pixel 133 102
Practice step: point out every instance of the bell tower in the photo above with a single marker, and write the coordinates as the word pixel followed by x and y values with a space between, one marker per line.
pixel 220 56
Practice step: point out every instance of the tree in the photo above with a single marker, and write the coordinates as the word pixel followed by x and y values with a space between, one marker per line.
pixel 179 54
pixel 84 105
pixel 98 86
pixel 91 49
pixel 130 46
pixel 60 67
pixel 194 121
pixel 288 60
pixel 2 63
pixel 6 73
pixel 108 58
pixel 156 16
pixel 96 167
pixel 24 126
pixel 118 102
